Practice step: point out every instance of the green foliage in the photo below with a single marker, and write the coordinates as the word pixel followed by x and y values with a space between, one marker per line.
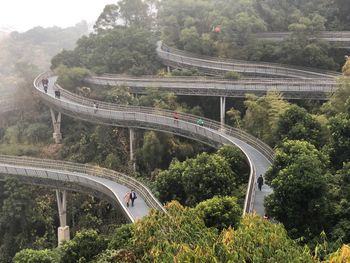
pixel 232 75
pixel 299 180
pixel 159 236
pixel 118 50
pixel 34 256
pixel 296 124
pixel 220 212
pixel 346 68
pixel 37 132
pixel 339 146
pixel 337 101
pixel 25 221
pixel 258 240
pixel 185 72
pixel 83 247
pixel 71 78
pixel 262 115
pixel 121 238
pixel 237 161
pixel 195 180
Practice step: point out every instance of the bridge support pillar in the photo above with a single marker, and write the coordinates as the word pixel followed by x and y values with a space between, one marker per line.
pixel 132 156
pixel 56 123
pixel 222 111
pixel 63 230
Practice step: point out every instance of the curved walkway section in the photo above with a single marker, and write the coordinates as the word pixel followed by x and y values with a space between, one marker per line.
pixel 95 179
pixel 318 89
pixel 340 38
pixel 214 66
pixel 212 133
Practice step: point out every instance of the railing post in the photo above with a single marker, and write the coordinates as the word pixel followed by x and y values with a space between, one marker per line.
pixel 56 123
pixel 63 230
pixel 132 156
pixel 222 111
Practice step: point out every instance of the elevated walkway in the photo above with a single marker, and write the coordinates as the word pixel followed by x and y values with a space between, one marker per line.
pixel 212 133
pixel 217 67
pixel 318 89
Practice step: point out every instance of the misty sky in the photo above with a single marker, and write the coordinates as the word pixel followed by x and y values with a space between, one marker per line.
pixel 22 15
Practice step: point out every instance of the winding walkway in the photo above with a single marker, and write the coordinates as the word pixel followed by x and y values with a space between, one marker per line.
pixel 83 178
pixel 212 133
pixel 318 89
pixel 216 66
pixel 340 38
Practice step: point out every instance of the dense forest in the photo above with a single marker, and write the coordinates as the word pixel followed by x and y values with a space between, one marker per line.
pixel 203 188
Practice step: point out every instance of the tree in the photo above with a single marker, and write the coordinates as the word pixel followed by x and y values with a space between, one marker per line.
pixel 35 256
pixel 296 124
pixel 262 115
pixel 108 19
pixel 83 247
pixel 258 240
pixel 159 237
pixel 71 78
pixel 220 212
pixel 339 146
pixel 196 179
pixel 237 162
pixel 337 101
pixel 299 181
pixel 346 68
pixel 341 229
pixel 25 221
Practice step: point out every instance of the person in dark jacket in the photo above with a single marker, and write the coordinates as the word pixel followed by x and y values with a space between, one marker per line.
pixel 132 197
pixel 260 182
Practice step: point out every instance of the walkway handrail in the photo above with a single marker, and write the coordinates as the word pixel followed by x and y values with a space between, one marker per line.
pixel 291 88
pixel 97 171
pixel 164 50
pixel 208 123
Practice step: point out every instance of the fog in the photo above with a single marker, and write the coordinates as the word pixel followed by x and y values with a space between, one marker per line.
pixel 22 15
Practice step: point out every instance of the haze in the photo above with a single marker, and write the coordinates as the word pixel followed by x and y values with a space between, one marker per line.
pixel 22 15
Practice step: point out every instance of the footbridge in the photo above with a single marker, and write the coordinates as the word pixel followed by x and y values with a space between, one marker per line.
pixel 339 38
pixel 85 178
pixel 314 89
pixel 176 58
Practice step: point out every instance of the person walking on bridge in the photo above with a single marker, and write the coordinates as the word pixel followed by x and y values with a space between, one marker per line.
pixel 132 197
pixel 260 181
pixel 127 198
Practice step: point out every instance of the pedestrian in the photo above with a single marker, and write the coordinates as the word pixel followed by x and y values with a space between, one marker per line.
pixel 200 122
pixel 132 197
pixel 95 107
pixel 176 117
pixel 260 181
pixel 45 83
pixel 127 198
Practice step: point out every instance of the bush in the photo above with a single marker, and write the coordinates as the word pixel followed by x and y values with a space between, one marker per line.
pixel 232 75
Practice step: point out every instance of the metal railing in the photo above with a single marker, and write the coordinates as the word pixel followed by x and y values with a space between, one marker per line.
pixel 97 171
pixel 174 56
pixel 332 36
pixel 291 88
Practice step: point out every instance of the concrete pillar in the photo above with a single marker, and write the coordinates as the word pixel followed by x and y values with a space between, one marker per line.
pixel 168 69
pixel 63 230
pixel 56 123
pixel 222 111
pixel 132 156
